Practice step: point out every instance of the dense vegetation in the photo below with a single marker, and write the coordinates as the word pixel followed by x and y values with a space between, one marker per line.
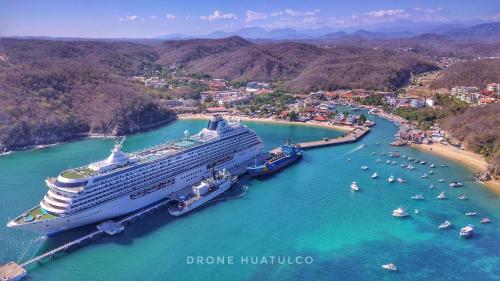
pixel 471 73
pixel 478 129
pixel 50 91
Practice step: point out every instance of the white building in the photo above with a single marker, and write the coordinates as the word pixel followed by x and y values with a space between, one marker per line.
pixel 430 102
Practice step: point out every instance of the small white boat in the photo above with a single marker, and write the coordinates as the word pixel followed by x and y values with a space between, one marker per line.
pixel 441 180
pixel 418 197
pixel 417 211
pixel 443 165
pixel 390 267
pixel 423 162
pixel 463 197
pixel 378 161
pixel 400 212
pixel 410 167
pixel 348 159
pixel 375 175
pixel 444 225
pixel 467 231
pixel 404 165
pixel 456 184
pixel 424 176
pixel 470 214
pixel 390 179
pixel 430 172
pixel 404 156
pixel 354 186
pixel 364 167
pixel 485 220
pixel 388 162
pixel 441 195
pixel 400 180
pixel 393 163
pixel 432 165
pixel 431 186
pixel 410 158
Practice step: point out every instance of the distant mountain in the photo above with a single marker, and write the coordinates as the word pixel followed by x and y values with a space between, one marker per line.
pixel 481 32
pixel 390 30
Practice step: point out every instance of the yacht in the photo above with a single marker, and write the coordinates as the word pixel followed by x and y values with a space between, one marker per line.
pixel 203 192
pixel 463 197
pixel 444 225
pixel 418 197
pixel 126 182
pixel 485 220
pixel 441 195
pixel 467 231
pixel 400 212
pixel 375 175
pixel 354 186
pixel 456 184
pixel 390 267
pixel 391 179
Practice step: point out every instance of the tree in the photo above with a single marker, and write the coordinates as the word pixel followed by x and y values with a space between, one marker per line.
pixel 362 119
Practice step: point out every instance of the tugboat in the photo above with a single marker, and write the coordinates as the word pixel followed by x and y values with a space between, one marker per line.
pixel 287 155
pixel 203 192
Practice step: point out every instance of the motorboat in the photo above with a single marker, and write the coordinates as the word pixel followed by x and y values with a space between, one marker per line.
pixel 463 197
pixel 418 197
pixel 393 163
pixel 430 172
pixel 456 184
pixel 410 158
pixel 400 180
pixel 400 212
pixel 375 175
pixel 423 162
pixel 432 165
pixel 410 167
pixel 364 167
pixel 443 165
pixel 470 214
pixel 444 225
pixel 424 176
pixel 485 220
pixel 404 165
pixel 441 180
pixel 390 267
pixel 388 162
pixel 378 161
pixel 441 195
pixel 431 186
pixel 354 186
pixel 467 231
pixel 390 179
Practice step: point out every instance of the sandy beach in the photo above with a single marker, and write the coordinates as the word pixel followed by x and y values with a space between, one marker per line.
pixel 267 120
pixel 469 159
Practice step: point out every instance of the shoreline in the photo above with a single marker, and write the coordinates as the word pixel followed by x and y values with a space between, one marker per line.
pixel 466 158
pixel 267 120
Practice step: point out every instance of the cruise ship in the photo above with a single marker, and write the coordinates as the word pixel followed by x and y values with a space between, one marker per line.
pixel 126 182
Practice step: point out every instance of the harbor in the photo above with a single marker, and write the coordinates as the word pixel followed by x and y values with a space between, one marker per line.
pixel 254 211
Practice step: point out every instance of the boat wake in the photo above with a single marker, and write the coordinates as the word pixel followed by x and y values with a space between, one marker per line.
pixel 354 150
pixel 37 243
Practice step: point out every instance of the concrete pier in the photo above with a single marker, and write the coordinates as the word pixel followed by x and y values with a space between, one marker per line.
pixel 356 134
pixel 11 272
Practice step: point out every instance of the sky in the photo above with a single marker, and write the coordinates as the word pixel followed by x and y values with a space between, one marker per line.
pixel 152 18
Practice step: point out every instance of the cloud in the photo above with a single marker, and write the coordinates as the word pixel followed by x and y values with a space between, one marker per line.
pixel 153 17
pixel 253 16
pixel 293 13
pixel 387 14
pixel 130 18
pixel 217 15
pixel 170 17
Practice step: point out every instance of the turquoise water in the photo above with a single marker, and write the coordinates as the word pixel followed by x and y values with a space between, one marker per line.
pixel 306 210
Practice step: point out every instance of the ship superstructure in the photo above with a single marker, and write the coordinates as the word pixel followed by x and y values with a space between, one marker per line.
pixel 125 182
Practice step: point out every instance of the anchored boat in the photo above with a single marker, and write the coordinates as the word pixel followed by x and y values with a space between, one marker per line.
pixel 287 155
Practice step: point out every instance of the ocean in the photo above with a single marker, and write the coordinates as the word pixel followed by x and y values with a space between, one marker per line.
pixel 303 223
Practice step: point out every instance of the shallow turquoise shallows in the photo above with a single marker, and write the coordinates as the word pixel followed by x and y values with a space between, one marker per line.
pixel 306 210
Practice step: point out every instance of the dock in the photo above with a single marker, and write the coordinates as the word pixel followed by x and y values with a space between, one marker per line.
pixel 353 136
pixel 13 271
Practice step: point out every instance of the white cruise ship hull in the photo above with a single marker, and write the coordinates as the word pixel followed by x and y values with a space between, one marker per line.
pixel 125 205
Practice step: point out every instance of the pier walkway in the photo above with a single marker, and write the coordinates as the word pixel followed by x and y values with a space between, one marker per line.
pixel 353 136
pixel 72 244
